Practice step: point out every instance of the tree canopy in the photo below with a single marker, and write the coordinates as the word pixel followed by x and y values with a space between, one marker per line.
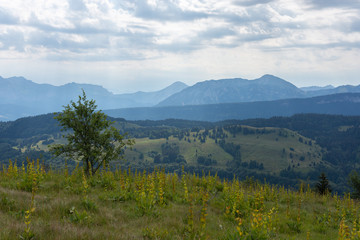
pixel 354 181
pixel 323 186
pixel 90 136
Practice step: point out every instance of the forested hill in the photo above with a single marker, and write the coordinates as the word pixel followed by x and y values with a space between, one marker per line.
pixel 305 144
pixel 339 135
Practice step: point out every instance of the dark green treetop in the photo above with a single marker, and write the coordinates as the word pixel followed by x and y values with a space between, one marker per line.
pixel 323 186
pixel 91 138
pixel 354 181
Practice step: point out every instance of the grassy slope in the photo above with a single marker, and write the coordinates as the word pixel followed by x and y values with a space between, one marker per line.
pixel 270 149
pixel 276 151
pixel 119 206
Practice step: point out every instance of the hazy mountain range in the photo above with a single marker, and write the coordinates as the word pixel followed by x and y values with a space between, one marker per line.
pixel 340 104
pixel 265 88
pixel 20 97
pixel 316 88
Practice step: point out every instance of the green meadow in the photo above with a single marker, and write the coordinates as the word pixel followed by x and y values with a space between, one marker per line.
pixel 39 203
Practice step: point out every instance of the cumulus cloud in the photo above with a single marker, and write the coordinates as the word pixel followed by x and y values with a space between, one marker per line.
pixel 7 18
pixel 165 10
pixel 78 26
pixel 251 2
pixel 355 25
pixel 158 30
pixel 77 5
pixel 334 3
pixel 12 39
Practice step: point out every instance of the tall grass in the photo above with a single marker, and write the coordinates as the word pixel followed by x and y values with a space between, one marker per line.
pixel 127 204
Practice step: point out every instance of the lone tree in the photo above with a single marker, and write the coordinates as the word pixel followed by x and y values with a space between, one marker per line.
pixel 354 182
pixel 323 186
pixel 91 138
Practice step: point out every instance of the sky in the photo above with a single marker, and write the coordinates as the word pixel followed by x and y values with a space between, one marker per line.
pixel 145 45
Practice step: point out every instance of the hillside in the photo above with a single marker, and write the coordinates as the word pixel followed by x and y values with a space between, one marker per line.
pixel 126 204
pixel 345 104
pixel 263 150
pixel 266 150
pixel 282 150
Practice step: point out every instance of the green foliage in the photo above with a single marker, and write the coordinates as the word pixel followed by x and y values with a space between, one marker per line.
pixel 151 234
pixel 6 204
pixel 294 226
pixel 233 150
pixel 354 181
pixel 89 204
pixel 27 236
pixel 323 186
pixel 77 217
pixel 92 140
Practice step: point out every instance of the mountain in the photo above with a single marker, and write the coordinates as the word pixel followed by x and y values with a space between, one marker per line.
pixel 20 97
pixel 340 89
pixel 317 88
pixel 345 104
pixel 148 99
pixel 235 90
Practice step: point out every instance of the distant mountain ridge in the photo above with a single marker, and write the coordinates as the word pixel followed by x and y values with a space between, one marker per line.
pixel 340 89
pixel 340 104
pixel 20 97
pixel 265 88
pixel 148 99
pixel 317 88
pixel 234 90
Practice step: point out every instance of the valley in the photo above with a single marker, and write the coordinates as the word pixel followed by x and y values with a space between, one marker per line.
pixel 282 150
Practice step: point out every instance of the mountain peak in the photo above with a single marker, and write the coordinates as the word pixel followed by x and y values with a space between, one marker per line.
pixel 176 85
pixel 268 76
pixel 266 88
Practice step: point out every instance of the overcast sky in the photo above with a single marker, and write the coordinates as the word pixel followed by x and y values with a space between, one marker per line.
pixel 134 45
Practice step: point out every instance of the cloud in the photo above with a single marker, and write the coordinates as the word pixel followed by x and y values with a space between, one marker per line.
pixel 77 5
pixel 355 25
pixel 350 4
pixel 165 10
pixel 12 39
pixel 96 56
pixel 248 3
pixel 110 30
pixel 217 32
pixel 7 18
